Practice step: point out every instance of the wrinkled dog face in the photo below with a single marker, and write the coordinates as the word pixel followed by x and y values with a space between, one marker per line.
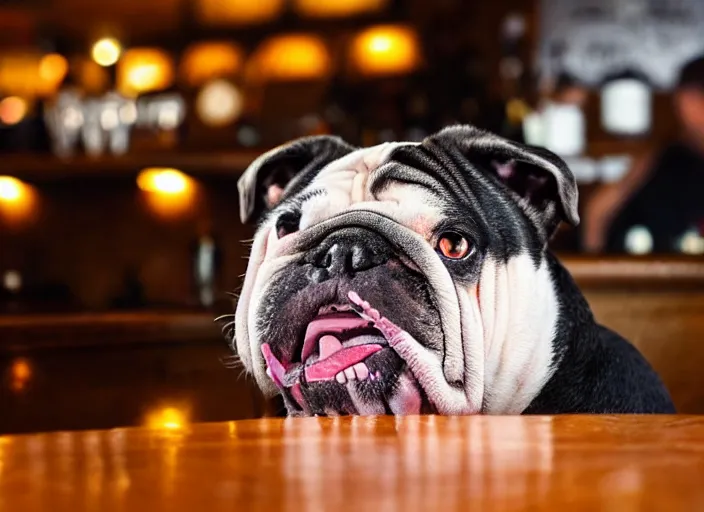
pixel 402 278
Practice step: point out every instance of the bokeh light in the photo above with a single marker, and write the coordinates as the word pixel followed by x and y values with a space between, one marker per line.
pixel 53 69
pixel 206 61
pixel 106 51
pixel 18 201
pixel 237 12
pixel 143 70
pixel 337 8
pixel 219 103
pixel 11 189
pixel 13 110
pixel 169 418
pixel 290 57
pixel 168 192
pixel 385 49
pixel 162 180
pixel 20 374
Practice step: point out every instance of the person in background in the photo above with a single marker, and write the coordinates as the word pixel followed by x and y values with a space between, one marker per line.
pixel 659 205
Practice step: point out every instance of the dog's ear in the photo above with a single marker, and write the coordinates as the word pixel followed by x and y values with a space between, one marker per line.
pixel 270 176
pixel 538 179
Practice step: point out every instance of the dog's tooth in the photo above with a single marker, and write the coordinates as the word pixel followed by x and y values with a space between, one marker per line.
pixel 340 377
pixel 349 373
pixel 378 374
pixel 361 370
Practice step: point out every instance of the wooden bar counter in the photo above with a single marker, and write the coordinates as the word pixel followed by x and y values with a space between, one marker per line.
pixel 619 463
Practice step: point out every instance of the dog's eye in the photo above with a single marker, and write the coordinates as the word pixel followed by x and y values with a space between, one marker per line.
pixel 453 245
pixel 287 223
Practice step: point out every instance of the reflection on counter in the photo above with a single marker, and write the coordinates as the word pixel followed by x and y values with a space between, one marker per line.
pixel 163 386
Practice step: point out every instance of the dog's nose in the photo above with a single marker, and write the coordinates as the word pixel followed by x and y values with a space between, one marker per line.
pixel 348 251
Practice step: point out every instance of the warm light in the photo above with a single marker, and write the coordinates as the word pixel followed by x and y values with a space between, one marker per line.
pixel 165 181
pixel 385 50
pixel 206 61
pixel 19 74
pixel 17 200
pixel 237 12
pixel 338 8
pixel 12 110
pixel 168 192
pixel 106 51
pixel 20 374
pixel 143 70
pixel 21 370
pixel 52 69
pixel 167 418
pixel 219 103
pixel 11 189
pixel 290 57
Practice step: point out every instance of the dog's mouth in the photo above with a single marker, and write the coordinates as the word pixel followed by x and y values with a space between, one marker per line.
pixel 342 347
pixel 335 346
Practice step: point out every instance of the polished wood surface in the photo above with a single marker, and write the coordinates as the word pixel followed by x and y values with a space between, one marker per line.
pixel 383 463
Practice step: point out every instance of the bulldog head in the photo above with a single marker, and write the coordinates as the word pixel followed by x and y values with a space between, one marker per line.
pixel 402 278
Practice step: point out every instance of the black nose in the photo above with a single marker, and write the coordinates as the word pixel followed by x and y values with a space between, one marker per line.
pixel 348 251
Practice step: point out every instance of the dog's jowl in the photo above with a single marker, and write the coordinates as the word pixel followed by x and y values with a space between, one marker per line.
pixel 415 278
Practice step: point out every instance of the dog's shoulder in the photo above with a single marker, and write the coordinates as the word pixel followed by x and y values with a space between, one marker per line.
pixel 596 369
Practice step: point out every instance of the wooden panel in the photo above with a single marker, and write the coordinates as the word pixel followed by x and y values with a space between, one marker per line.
pixel 668 328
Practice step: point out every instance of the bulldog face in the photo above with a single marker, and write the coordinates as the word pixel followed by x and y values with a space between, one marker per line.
pixel 403 278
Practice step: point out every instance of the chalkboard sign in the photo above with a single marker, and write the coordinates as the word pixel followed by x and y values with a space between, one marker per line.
pixel 593 39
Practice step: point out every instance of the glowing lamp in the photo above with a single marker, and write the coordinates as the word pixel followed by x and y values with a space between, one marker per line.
pixel 52 70
pixel 11 189
pixel 207 61
pixel 237 12
pixel 12 110
pixel 30 74
pixel 167 418
pixel 337 8
pixel 219 103
pixel 168 192
pixel 106 51
pixel 144 69
pixel 290 57
pixel 17 200
pixel 20 374
pixel 164 181
pixel 386 49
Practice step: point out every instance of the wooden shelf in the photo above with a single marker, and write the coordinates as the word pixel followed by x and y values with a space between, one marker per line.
pixel 625 272
pixel 39 331
pixel 49 168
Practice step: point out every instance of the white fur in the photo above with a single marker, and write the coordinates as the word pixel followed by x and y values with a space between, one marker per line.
pixel 519 310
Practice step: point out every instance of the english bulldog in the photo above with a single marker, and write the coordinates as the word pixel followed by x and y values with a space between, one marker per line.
pixel 412 278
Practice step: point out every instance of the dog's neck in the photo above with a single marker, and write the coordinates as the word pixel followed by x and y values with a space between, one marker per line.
pixel 520 311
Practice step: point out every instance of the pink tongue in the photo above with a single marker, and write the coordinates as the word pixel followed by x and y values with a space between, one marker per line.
pixel 328 346
pixel 334 358
pixel 332 324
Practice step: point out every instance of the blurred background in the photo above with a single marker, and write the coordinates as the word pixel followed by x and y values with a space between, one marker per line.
pixel 124 126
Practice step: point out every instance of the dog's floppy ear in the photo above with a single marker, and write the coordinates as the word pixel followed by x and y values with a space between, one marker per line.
pixel 539 180
pixel 268 178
